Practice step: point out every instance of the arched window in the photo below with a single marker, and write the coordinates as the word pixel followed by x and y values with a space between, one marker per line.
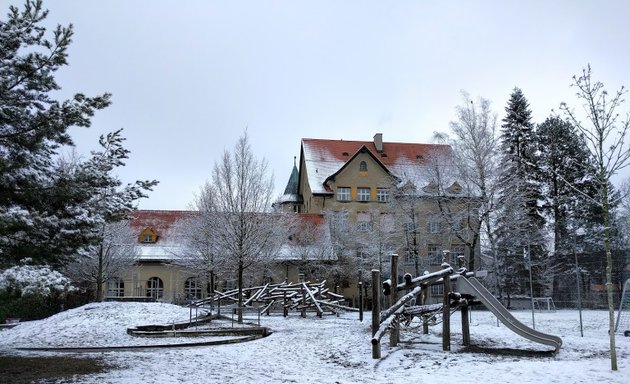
pixel 155 288
pixel 363 166
pixel 192 289
pixel 115 287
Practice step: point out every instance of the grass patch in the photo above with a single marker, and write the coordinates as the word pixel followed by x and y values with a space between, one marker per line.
pixel 22 369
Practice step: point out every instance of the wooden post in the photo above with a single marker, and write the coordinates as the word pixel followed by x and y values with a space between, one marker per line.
pixel 394 333
pixel 446 315
pixel 360 301
pixel 336 292
pixel 303 301
pixel 376 311
pixel 465 326
pixel 425 323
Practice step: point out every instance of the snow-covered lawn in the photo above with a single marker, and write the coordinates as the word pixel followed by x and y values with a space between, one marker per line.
pixel 331 350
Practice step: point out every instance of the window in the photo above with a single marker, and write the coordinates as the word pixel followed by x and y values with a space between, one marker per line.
pixel 382 195
pixel 338 221
pixel 456 251
pixel 435 255
pixel 410 256
pixel 155 288
pixel 362 254
pixel 409 227
pixel 364 226
pixel 388 222
pixel 147 236
pixel 363 194
pixel 343 194
pixel 192 289
pixel 437 290
pixel 433 227
pixel 364 222
pixel 363 166
pixel 115 288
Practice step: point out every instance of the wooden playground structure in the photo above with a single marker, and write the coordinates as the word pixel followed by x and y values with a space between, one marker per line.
pixel 303 297
pixel 402 310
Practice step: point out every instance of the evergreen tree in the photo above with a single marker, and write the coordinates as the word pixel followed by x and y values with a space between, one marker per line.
pixel 49 209
pixel 520 223
pixel 568 179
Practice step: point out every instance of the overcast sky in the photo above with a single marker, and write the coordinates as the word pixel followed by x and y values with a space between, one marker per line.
pixel 188 77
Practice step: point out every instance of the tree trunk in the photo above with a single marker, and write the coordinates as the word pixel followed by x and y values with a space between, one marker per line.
pixel 609 285
pixel 240 292
pixel 99 277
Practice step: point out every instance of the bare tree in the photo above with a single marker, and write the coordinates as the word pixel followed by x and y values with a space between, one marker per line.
pixel 605 133
pixel 107 260
pixel 344 247
pixel 237 203
pixel 197 250
pixel 309 246
pixel 475 166
pixel 406 205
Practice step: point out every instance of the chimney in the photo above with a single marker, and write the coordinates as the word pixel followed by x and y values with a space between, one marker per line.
pixel 378 142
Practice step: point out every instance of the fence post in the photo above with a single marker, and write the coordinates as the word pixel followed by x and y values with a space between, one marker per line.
pixel 446 315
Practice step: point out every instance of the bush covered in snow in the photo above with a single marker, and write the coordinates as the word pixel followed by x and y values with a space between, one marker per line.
pixel 32 291
pixel 22 280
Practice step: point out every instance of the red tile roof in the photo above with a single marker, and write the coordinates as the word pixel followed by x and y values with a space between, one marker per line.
pixel 324 158
pixel 392 153
pixel 161 222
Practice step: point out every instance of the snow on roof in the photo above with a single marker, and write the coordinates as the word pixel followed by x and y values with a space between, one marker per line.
pixel 323 158
pixel 171 226
pixel 168 226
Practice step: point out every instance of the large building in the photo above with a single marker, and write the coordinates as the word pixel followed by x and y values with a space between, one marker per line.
pixel 385 197
pixel 355 203
pixel 163 266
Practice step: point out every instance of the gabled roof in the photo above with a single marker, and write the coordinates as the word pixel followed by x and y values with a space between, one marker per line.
pixel 324 158
pixel 363 149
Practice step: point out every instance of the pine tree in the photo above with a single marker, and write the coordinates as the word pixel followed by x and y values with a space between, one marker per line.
pixel 49 208
pixel 568 179
pixel 520 223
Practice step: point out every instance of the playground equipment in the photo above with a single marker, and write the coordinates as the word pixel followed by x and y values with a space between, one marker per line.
pixel 544 304
pixel 623 316
pixel 289 296
pixel 469 292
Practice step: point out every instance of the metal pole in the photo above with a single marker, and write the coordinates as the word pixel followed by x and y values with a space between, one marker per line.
pixel 360 301
pixel 577 279
pixel 531 284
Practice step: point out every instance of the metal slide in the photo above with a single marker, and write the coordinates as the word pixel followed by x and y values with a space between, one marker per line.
pixel 472 286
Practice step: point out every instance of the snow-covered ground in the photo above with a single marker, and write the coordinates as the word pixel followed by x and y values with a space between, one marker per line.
pixel 332 350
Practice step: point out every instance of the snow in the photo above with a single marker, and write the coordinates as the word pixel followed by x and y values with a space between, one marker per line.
pixel 34 279
pixel 332 349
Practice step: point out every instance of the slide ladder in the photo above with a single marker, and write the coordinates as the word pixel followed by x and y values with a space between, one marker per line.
pixel 473 287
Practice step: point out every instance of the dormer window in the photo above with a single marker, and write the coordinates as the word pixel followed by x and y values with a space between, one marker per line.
pixel 148 236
